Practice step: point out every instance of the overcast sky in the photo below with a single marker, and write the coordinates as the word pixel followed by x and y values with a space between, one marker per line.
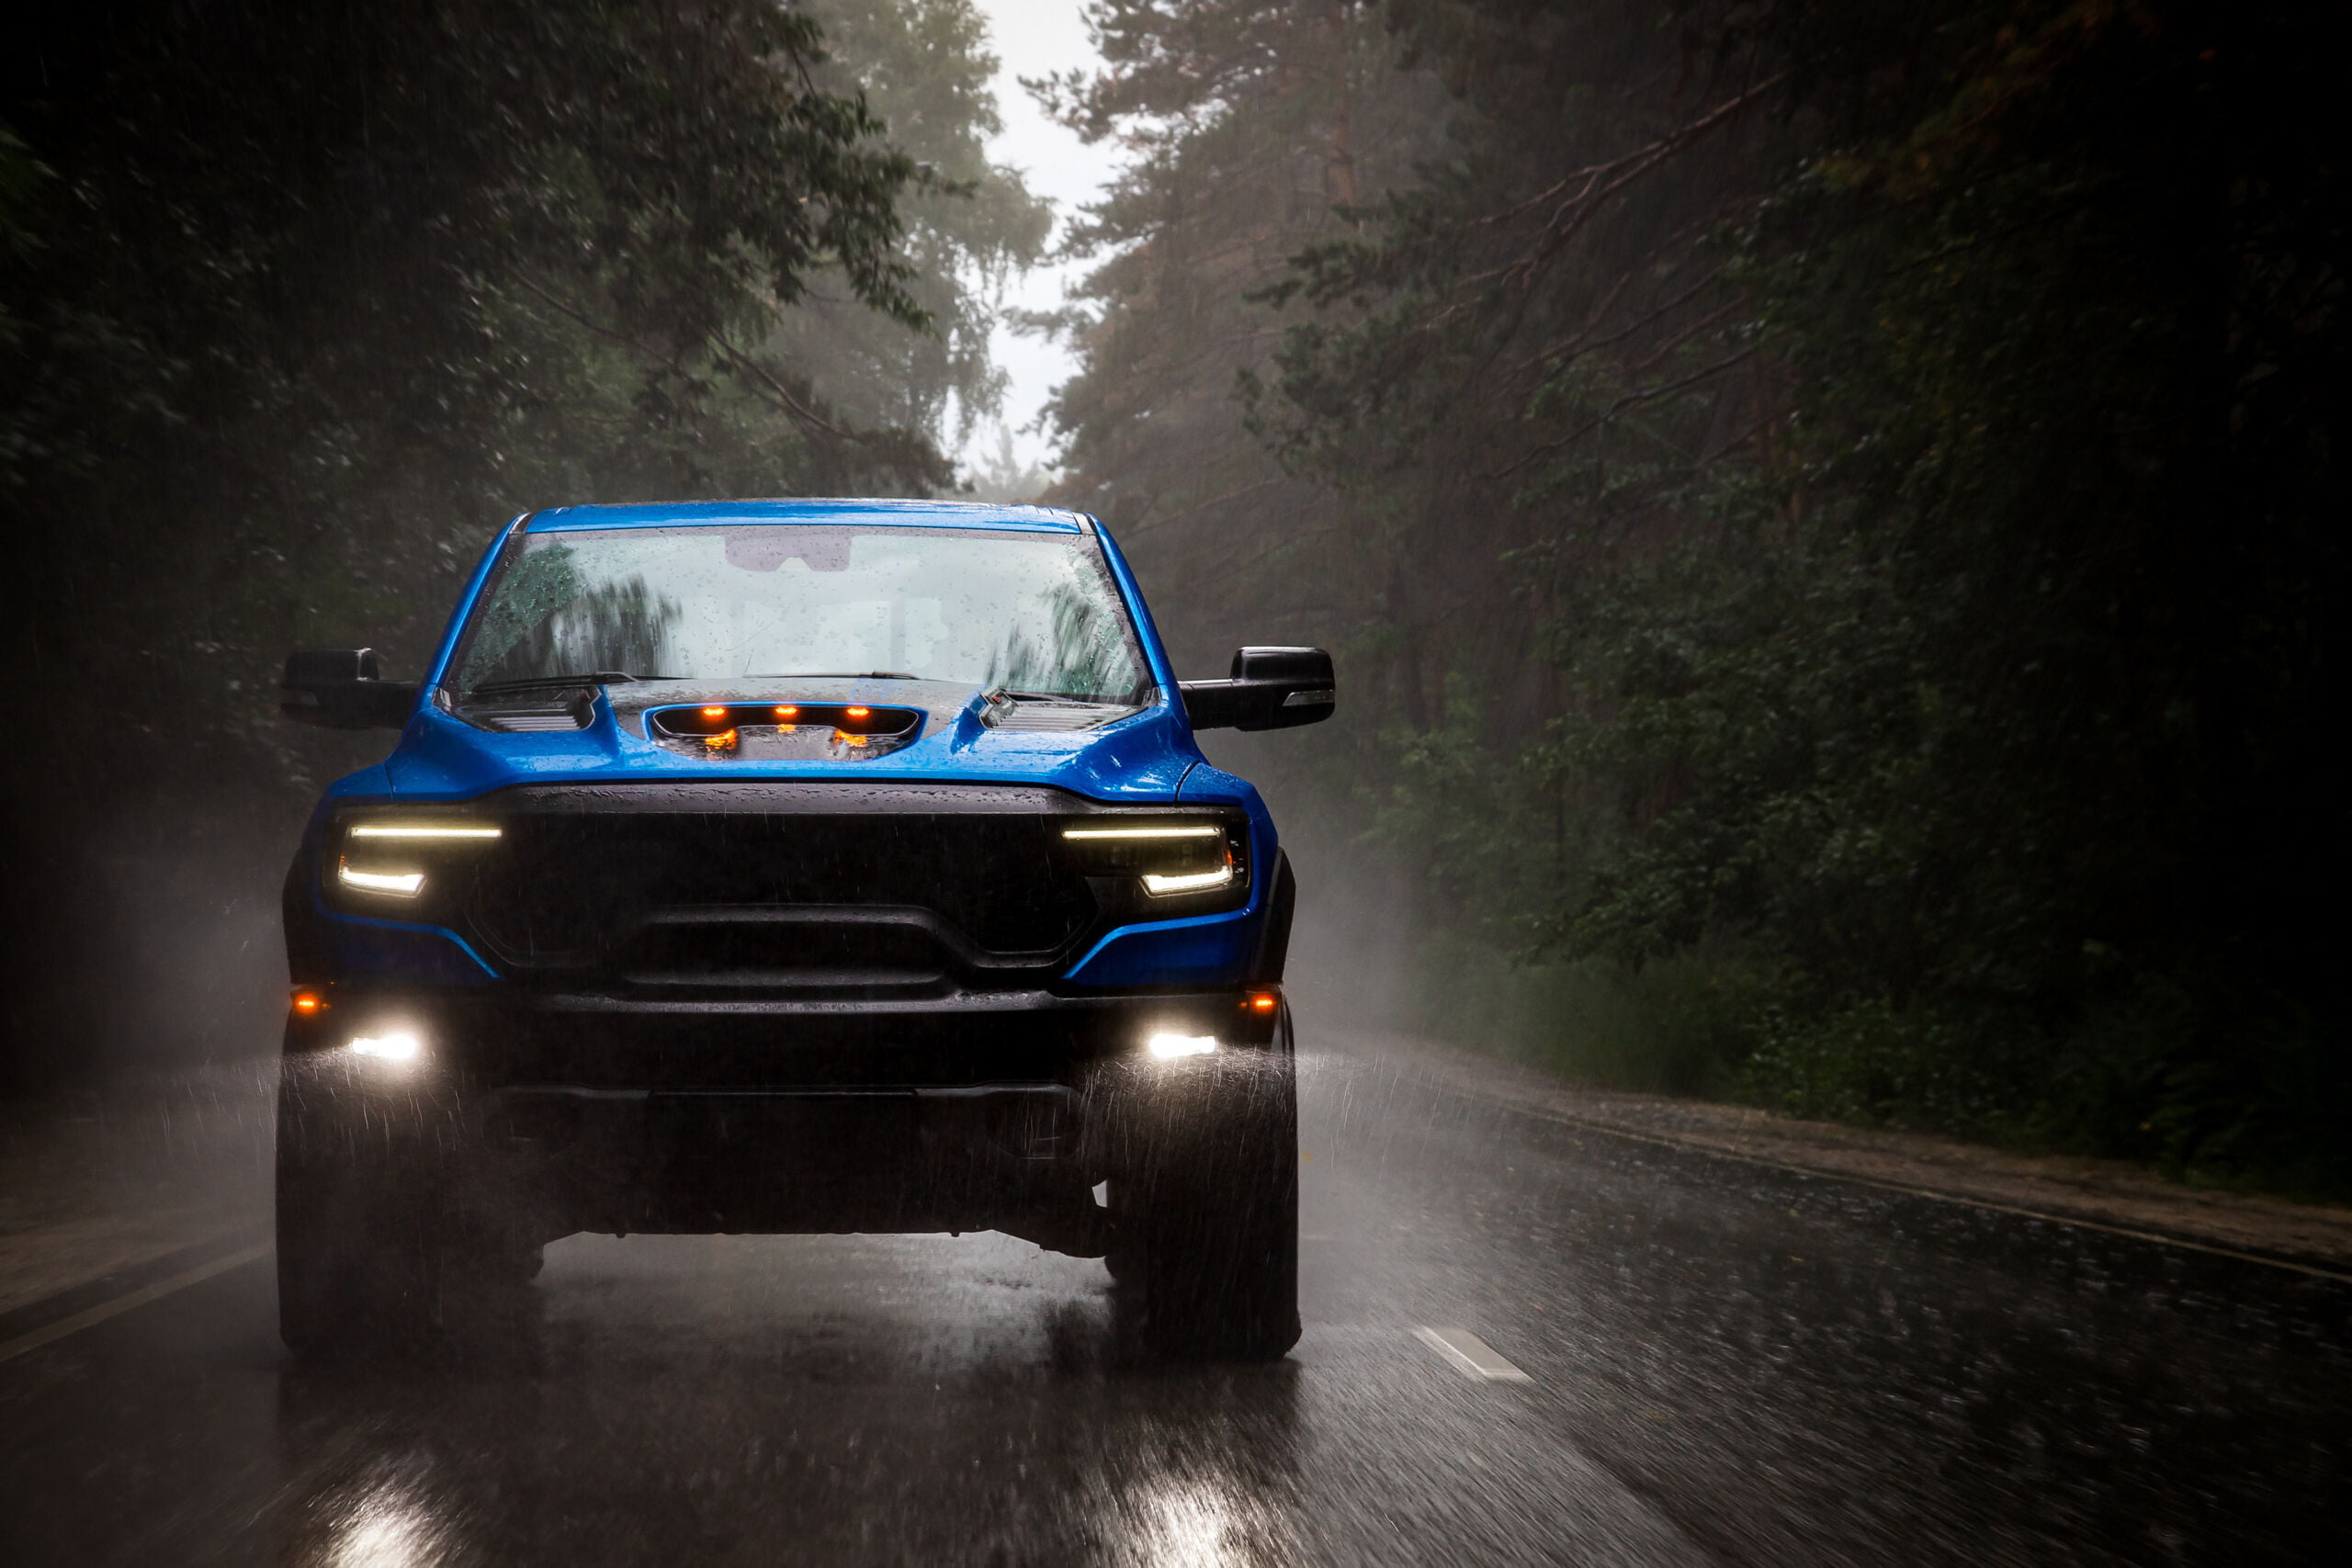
pixel 1035 37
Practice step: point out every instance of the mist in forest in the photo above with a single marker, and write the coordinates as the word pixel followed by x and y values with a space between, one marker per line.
pixel 1826 515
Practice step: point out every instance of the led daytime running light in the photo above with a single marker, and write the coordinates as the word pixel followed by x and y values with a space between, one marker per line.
pixel 399 883
pixel 1141 832
pixel 390 831
pixel 1197 881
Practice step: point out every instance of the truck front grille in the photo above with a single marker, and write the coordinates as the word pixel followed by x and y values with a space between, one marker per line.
pixel 811 889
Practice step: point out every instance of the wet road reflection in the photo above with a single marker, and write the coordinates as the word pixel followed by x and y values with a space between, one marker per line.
pixel 916 1399
pixel 1724 1365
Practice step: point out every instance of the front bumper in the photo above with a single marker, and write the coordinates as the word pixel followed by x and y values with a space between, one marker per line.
pixel 482 1040
pixel 571 1112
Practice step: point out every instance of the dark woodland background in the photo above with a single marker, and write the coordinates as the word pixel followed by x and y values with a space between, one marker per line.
pixel 1830 514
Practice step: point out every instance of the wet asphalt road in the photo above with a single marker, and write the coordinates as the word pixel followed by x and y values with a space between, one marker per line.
pixel 1725 1364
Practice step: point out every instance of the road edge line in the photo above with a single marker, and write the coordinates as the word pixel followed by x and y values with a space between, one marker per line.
pixel 73 1323
pixel 1911 1190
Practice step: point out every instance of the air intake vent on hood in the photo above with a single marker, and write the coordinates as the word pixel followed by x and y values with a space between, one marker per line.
pixel 1044 713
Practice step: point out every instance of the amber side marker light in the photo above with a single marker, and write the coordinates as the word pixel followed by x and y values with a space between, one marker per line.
pixel 714 713
pixel 859 713
pixel 1262 1001
pixel 309 1004
pixel 787 711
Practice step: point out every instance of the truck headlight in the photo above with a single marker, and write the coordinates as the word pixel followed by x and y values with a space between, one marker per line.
pixel 382 854
pixel 1168 859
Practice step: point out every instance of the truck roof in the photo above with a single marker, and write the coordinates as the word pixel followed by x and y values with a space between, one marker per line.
pixel 863 511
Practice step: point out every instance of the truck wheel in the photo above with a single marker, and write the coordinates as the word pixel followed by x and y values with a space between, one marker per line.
pixel 1213 1252
pixel 354 1265
pixel 374 1258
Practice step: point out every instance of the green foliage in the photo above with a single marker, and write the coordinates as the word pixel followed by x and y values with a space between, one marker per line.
pixel 301 302
pixel 1842 496
pixel 923 69
pixel 1682 1026
pixel 1004 478
pixel 1254 126
pixel 298 301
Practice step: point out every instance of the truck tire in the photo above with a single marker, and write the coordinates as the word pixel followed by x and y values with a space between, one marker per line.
pixel 375 1255
pixel 1211 1217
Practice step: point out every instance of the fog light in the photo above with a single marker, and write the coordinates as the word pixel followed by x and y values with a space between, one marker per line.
pixel 400 1046
pixel 1168 1047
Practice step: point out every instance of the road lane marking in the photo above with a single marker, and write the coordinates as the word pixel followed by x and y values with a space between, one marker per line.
pixel 1830 1173
pixel 77 1322
pixel 1471 1355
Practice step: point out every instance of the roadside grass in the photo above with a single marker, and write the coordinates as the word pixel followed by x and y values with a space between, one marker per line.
pixel 1680 1025
pixel 1720 1026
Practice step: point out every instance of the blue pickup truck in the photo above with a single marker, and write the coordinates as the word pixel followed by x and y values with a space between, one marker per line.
pixel 791 866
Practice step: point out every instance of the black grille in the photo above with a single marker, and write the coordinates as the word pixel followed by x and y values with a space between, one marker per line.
pixel 826 890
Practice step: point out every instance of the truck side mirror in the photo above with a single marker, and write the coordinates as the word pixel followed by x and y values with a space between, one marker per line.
pixel 343 689
pixel 1272 688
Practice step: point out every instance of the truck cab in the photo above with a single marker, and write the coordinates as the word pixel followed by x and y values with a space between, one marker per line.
pixel 791 866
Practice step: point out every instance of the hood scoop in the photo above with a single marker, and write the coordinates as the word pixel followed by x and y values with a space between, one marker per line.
pixel 525 712
pixel 783 732
pixel 1039 711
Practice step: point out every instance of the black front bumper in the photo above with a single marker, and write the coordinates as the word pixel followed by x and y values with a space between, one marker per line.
pixel 584 1112
pixel 499 1038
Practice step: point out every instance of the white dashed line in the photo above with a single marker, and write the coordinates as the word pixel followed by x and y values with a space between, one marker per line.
pixel 1472 1356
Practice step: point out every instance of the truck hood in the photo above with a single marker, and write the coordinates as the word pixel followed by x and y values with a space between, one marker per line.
pixel 450 751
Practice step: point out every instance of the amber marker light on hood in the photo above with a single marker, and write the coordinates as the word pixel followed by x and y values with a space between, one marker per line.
pixel 859 713
pixel 714 713
pixel 787 711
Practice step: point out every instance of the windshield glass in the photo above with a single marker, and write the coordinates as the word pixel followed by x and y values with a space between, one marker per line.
pixel 1034 613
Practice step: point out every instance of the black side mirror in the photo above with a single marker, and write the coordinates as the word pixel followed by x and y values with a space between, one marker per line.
pixel 1272 688
pixel 343 689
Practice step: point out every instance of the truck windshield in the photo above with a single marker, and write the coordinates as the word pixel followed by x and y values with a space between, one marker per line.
pixel 1031 613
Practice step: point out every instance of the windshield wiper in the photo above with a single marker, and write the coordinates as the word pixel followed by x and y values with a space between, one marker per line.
pixel 592 678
